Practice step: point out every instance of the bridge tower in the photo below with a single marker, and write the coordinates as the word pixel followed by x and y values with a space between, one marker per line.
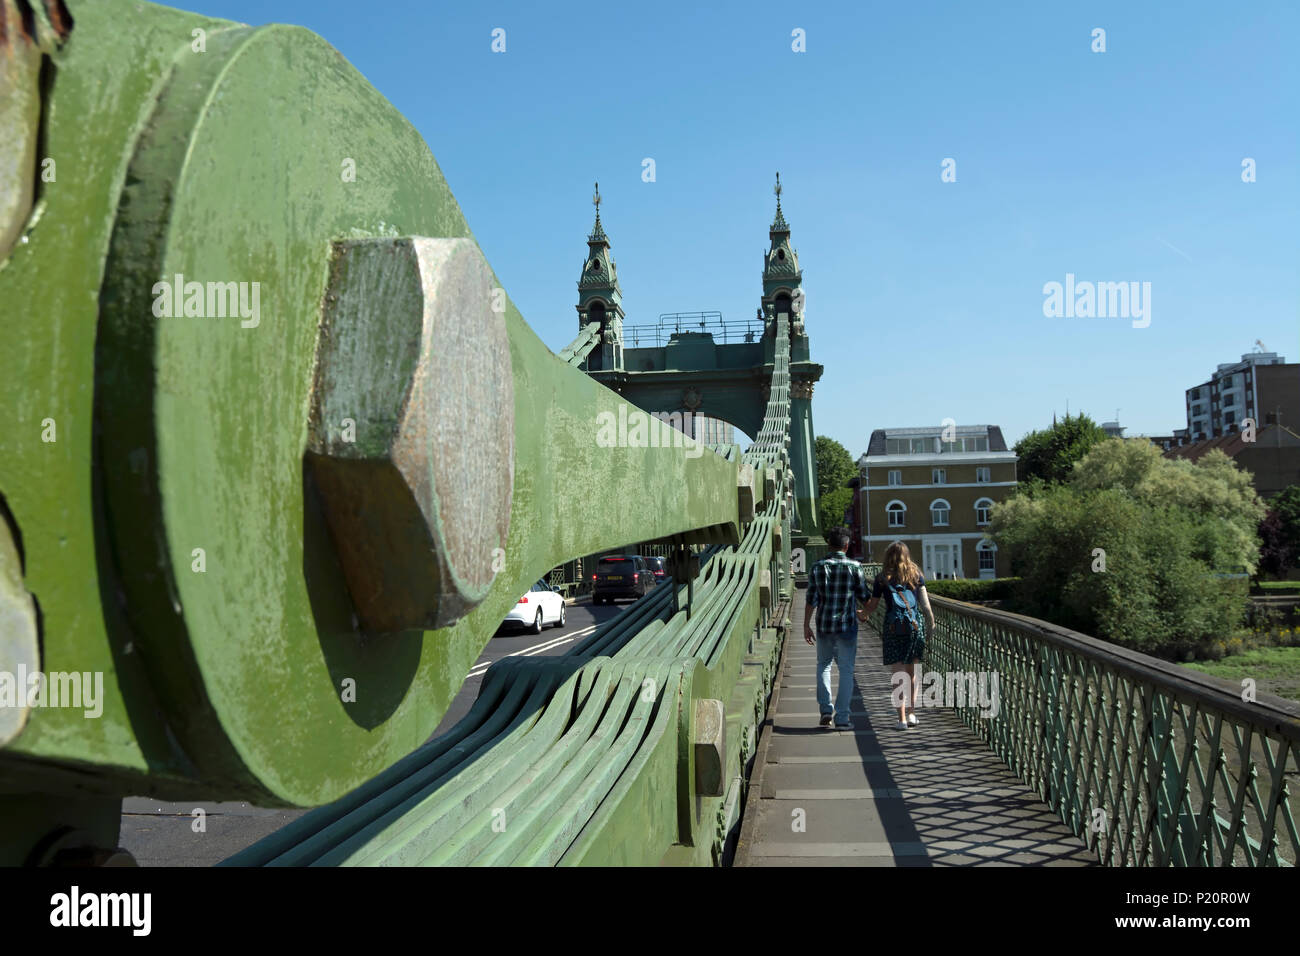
pixel 783 292
pixel 697 363
pixel 600 298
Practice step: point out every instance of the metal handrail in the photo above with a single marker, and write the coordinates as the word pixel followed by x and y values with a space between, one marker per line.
pixel 742 331
pixel 1111 740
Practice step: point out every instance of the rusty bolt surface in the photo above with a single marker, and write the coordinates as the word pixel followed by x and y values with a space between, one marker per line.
pixel 411 436
pixel 710 742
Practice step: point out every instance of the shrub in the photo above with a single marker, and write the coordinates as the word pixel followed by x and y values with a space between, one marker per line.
pixel 972 589
pixel 1134 548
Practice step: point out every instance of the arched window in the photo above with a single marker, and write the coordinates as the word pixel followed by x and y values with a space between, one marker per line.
pixel 897 512
pixel 939 510
pixel 983 511
pixel 783 304
pixel 598 312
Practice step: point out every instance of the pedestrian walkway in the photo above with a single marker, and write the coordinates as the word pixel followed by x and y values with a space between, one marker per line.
pixel 932 795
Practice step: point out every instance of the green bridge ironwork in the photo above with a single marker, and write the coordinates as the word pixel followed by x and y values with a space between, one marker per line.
pixel 1149 763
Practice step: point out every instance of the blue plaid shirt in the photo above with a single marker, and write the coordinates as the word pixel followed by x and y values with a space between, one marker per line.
pixel 835 584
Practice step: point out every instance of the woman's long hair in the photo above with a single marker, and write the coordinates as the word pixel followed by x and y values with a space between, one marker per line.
pixel 899 568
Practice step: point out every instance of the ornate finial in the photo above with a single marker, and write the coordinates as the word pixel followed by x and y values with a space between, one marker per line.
pixel 779 222
pixel 597 232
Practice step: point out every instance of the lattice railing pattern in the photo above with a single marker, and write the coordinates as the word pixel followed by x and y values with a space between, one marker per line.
pixel 1150 763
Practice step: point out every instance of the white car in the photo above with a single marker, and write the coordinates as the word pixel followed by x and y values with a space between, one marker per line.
pixel 542 605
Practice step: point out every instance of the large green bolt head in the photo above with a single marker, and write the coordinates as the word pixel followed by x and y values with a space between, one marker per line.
pixel 411 440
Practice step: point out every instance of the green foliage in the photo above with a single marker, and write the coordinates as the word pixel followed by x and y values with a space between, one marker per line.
pixel 973 589
pixel 831 507
pixel 835 468
pixel 1216 493
pixel 1169 530
pixel 1050 454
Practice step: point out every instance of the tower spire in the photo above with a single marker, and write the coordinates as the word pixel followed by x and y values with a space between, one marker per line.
pixel 779 224
pixel 599 295
pixel 597 231
pixel 781 275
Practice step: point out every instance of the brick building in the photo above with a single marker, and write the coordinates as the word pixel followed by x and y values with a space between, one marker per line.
pixel 934 495
pixel 1273 458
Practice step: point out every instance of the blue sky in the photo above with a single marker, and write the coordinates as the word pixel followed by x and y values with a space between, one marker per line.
pixel 924 298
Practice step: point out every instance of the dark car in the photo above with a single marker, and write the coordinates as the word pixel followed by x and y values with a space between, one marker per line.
pixel 620 575
pixel 659 568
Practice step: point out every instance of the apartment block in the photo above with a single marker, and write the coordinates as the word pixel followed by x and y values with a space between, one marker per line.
pixel 1262 387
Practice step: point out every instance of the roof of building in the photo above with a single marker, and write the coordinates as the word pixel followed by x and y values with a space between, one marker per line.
pixel 876 446
pixel 1232 443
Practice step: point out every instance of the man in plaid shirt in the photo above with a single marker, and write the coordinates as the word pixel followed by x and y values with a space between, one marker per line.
pixel 835 584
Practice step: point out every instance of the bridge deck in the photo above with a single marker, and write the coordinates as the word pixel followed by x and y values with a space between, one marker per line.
pixel 932 795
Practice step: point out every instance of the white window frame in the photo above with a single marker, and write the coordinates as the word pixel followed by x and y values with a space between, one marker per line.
pixel 947 513
pixel 895 476
pixel 900 510
pixel 991 549
pixel 938 476
pixel 983 475
pixel 985 505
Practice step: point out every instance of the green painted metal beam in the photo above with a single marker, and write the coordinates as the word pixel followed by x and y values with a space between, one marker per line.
pixel 283 456
pixel 184 553
pixel 594 758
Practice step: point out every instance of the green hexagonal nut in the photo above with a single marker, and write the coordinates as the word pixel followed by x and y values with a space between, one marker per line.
pixel 709 739
pixel 411 436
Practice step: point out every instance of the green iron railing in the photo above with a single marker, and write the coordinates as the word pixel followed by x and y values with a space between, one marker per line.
pixel 1151 764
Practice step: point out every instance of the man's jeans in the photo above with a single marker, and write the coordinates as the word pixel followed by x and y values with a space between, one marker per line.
pixel 843 649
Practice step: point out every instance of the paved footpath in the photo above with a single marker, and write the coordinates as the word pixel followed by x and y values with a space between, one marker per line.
pixel 931 795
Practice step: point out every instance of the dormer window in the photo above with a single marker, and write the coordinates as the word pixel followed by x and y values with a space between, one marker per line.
pixel 780 254
pixel 595 265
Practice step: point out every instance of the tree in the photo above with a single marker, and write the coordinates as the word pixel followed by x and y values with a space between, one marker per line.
pixel 1134 547
pixel 1050 454
pixel 835 467
pixel 1213 490
pixel 1276 554
pixel 831 507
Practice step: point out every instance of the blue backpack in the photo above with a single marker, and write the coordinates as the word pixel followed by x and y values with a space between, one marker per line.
pixel 901 618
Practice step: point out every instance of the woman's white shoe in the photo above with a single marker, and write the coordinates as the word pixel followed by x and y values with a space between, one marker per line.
pixel 901 725
pixel 911 719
